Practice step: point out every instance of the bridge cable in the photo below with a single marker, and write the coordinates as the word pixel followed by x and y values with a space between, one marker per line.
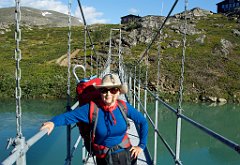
pixel 120 59
pixel 157 33
pixel 88 34
pixel 18 57
pixel 85 48
pixel 179 109
pixel 91 62
pixel 68 107
pixel 203 128
pixel 152 123
pixel 19 141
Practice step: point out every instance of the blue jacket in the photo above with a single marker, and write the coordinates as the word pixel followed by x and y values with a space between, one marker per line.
pixel 107 133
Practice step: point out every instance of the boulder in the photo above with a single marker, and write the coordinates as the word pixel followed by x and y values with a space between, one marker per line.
pixel 221 100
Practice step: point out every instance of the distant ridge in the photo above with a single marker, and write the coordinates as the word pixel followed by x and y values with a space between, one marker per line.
pixel 36 17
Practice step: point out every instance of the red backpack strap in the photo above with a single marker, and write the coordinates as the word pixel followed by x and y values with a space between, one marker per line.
pixel 123 108
pixel 93 117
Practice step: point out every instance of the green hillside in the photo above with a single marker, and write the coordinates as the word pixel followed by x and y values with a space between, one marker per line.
pixel 210 68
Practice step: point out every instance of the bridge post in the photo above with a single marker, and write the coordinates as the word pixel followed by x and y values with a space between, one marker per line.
pixel 178 138
pixel 139 91
pixel 155 132
pixel 134 89
pixel 145 101
pixel 21 160
pixel 130 88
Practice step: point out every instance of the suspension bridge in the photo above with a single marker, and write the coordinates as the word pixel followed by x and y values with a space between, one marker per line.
pixel 137 98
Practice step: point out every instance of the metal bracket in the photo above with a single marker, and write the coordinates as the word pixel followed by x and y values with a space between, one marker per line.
pixel 11 142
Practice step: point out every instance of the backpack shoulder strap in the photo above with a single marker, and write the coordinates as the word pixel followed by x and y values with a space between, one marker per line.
pixel 93 116
pixel 123 108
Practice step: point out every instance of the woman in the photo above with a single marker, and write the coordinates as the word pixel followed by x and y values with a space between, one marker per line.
pixel 111 126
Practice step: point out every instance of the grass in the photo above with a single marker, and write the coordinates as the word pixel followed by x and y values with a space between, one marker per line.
pixel 209 71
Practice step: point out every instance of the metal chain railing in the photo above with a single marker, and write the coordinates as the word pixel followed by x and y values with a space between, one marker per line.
pixel 183 60
pixel 68 106
pixel 120 59
pixel 85 48
pixel 206 130
pixel 178 112
pixel 18 57
pixel 17 154
pixel 19 141
pixel 87 33
pixel 157 33
pixel 179 120
pixel 107 66
pixel 146 114
pixel 91 62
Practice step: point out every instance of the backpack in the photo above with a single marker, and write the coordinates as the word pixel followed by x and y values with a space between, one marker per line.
pixel 87 93
pixel 87 131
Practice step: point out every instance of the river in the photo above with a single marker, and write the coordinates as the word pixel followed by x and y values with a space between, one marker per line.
pixel 197 148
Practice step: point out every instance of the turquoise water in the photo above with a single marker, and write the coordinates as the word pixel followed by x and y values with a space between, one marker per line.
pixel 197 148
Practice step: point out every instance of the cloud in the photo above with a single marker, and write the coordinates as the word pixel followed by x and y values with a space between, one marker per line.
pixel 133 11
pixel 91 14
pixel 7 3
pixel 55 5
pixel 46 5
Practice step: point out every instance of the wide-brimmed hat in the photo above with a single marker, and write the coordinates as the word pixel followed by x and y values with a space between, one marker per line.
pixel 112 80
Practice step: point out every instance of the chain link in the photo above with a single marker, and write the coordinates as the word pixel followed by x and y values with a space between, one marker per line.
pixel 68 108
pixel 183 59
pixel 147 67
pixel 85 48
pixel 159 68
pixel 69 50
pixel 18 57
pixel 121 62
pixel 92 59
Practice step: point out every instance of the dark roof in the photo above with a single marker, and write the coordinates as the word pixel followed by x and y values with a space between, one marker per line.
pixel 223 2
pixel 220 2
pixel 131 15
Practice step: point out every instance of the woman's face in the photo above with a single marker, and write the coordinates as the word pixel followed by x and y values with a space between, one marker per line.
pixel 109 95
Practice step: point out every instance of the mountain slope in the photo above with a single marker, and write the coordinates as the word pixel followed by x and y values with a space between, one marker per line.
pixel 35 17
pixel 212 64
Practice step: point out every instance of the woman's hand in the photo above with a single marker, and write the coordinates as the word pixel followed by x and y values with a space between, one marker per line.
pixel 49 125
pixel 135 151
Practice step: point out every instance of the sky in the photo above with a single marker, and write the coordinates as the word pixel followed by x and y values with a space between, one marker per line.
pixel 110 11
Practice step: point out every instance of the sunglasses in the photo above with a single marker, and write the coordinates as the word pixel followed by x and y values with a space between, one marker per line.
pixel 112 90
